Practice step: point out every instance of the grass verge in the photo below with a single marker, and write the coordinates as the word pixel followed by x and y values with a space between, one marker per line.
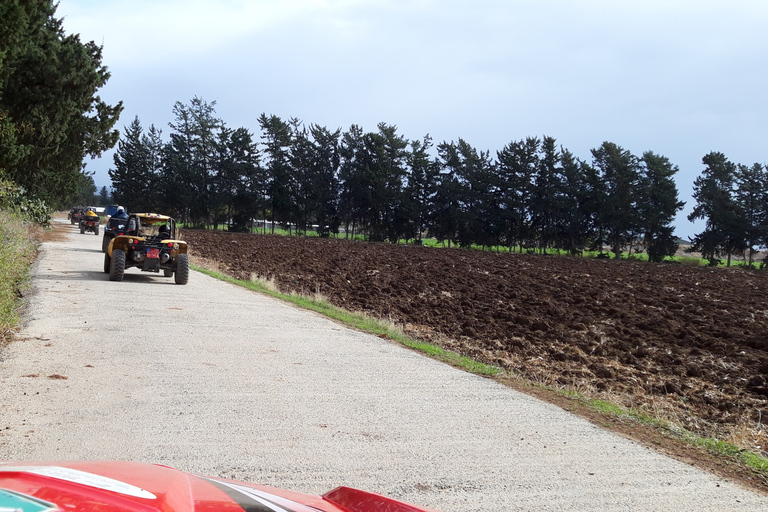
pixel 360 322
pixel 719 450
pixel 17 250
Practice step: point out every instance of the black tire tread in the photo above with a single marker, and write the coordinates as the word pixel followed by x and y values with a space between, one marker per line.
pixel 117 266
pixel 181 276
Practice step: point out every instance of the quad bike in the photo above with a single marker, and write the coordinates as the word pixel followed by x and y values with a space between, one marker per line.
pixel 115 227
pixel 149 243
pixel 76 214
pixel 89 222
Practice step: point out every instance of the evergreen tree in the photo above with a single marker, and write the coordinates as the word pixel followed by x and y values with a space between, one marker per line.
pixel 129 171
pixel 314 161
pixel 372 176
pixel 190 160
pixel 447 210
pixel 277 135
pixel 658 205
pixel 421 185
pixel 104 196
pixel 137 174
pixel 386 178
pixel 546 187
pixel 724 233
pixel 237 191
pixel 86 191
pixel 477 206
pixel 325 173
pixel 620 171
pixel 752 199
pixel 516 169
pixel 574 208
pixel 48 101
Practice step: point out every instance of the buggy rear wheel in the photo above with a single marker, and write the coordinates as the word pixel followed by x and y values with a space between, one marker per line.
pixel 182 269
pixel 107 263
pixel 117 266
pixel 82 229
pixel 97 230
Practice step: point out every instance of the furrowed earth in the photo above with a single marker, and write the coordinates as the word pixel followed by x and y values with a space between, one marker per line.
pixel 688 344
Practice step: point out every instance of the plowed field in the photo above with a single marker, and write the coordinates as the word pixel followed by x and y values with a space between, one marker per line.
pixel 689 343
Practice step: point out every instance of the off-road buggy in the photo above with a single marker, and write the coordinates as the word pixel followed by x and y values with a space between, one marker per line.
pixel 149 244
pixel 89 222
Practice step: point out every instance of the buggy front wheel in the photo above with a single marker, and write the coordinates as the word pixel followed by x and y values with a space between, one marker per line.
pixel 181 276
pixel 117 265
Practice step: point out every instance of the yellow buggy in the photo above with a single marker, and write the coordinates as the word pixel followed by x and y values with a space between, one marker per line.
pixel 149 244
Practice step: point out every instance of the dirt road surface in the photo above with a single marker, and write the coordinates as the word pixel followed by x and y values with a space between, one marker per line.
pixel 217 380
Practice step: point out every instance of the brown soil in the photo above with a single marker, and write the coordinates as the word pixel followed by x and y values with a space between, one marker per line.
pixel 688 344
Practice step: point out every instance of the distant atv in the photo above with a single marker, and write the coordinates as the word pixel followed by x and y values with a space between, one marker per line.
pixel 89 222
pixel 149 244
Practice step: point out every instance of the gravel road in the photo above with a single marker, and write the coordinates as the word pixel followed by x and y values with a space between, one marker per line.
pixel 214 379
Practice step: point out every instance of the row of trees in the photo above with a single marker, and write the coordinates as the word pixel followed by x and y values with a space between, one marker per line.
pixel 532 194
pixel 50 115
pixel 733 200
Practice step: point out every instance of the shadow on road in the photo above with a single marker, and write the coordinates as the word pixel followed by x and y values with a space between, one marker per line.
pixel 97 275
pixel 80 249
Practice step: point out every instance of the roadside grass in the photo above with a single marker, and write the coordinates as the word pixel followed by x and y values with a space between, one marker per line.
pixel 17 250
pixel 358 321
pixel 715 447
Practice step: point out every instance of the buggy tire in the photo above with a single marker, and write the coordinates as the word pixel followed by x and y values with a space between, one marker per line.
pixel 117 265
pixel 82 229
pixel 181 276
pixel 96 231
pixel 107 263
pixel 105 244
pixel 167 272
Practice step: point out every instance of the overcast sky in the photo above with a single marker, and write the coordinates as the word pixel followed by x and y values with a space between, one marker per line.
pixel 680 78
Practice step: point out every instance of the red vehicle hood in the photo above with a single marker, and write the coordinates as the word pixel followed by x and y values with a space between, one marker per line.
pixel 101 486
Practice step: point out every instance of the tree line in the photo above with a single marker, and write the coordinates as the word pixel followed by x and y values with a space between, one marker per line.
pixel 532 194
pixel 51 117
pixel 733 200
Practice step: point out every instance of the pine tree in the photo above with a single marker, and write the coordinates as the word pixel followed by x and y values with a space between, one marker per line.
pixel 276 137
pixel 48 101
pixel 421 185
pixel 752 197
pixel 713 190
pixel 516 170
pixel 129 172
pixel 619 170
pixel 658 205
pixel 190 158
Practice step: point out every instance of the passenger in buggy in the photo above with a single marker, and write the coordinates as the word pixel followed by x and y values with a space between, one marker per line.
pixel 164 232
